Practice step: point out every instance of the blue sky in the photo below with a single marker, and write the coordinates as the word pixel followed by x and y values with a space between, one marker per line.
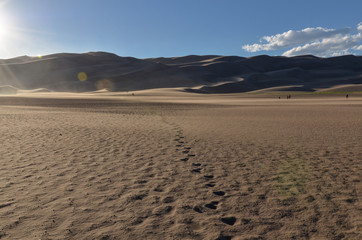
pixel 154 28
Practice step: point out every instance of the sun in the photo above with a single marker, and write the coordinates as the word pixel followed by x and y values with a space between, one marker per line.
pixel 15 39
pixel 6 33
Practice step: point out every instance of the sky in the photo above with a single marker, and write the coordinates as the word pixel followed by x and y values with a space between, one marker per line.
pixel 169 28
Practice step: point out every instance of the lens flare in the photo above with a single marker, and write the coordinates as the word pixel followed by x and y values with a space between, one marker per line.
pixel 104 84
pixel 82 76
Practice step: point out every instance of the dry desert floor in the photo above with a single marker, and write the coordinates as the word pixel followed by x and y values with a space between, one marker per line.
pixel 173 165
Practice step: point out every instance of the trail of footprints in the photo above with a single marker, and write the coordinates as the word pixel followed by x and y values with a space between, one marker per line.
pixel 196 168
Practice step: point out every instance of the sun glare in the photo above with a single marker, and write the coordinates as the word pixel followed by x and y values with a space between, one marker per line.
pixel 15 40
pixel 2 30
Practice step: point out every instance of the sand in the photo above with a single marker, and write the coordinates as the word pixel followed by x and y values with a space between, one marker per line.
pixel 174 165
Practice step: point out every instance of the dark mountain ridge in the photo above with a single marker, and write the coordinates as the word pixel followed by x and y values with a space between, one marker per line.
pixel 203 74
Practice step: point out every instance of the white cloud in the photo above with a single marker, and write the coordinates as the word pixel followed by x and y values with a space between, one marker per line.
pixel 359 26
pixel 316 41
pixel 292 38
pixel 337 45
pixel 358 47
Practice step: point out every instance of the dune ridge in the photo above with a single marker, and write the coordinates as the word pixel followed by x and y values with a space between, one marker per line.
pixel 201 74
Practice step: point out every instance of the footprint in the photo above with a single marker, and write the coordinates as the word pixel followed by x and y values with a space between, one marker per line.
pixel 196 164
pixel 228 220
pixel 138 221
pixel 310 198
pixel 158 189
pixel 262 197
pixel 245 220
pixel 185 151
pixel 178 145
pixel 197 209
pixel 210 185
pixel 168 200
pixel 188 148
pixel 222 237
pixel 219 193
pixel 141 181
pixel 176 139
pixel 163 210
pixel 212 205
pixel 196 170
pixel 184 159
pixel 191 155
pixel 138 197
pixel 209 176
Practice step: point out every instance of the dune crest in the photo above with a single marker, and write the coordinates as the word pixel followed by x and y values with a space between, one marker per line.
pixel 7 89
pixel 215 74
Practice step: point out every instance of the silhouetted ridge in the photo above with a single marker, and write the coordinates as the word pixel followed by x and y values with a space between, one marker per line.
pixel 206 74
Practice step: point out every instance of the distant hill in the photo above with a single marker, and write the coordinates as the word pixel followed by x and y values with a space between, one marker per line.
pixel 201 74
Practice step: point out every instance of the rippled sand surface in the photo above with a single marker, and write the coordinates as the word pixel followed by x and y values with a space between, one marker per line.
pixel 180 166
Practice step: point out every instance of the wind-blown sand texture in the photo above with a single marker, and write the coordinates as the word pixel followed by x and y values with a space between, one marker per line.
pixel 180 166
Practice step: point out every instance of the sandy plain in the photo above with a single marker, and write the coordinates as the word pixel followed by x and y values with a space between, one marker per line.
pixel 171 165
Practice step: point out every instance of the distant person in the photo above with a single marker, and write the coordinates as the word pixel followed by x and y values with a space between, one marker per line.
pixel 347 96
pixel 279 97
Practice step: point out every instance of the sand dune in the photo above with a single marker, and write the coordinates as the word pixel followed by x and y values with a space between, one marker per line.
pixel 101 70
pixel 38 90
pixel 288 89
pixel 8 90
pixel 182 60
pixel 344 88
pixel 165 164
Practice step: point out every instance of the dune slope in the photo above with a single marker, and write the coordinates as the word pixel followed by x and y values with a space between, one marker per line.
pixel 99 70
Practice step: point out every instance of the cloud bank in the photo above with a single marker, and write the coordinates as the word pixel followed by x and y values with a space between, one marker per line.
pixel 316 41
